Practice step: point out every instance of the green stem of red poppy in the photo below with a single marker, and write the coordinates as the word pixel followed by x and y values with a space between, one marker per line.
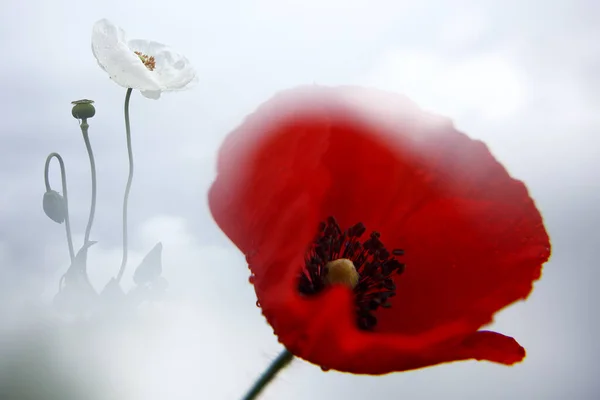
pixel 277 365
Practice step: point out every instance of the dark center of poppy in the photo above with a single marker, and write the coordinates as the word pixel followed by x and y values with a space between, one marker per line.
pixel 340 257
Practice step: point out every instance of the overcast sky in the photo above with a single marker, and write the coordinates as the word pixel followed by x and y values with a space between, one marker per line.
pixel 522 76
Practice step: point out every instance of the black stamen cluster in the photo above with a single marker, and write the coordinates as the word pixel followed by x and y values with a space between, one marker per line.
pixel 374 264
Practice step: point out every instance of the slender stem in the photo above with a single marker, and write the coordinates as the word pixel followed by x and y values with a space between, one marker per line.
pixel 282 361
pixel 127 187
pixel 63 177
pixel 88 146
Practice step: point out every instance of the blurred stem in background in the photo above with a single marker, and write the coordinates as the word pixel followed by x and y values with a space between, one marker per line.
pixel 127 187
pixel 56 206
pixel 84 130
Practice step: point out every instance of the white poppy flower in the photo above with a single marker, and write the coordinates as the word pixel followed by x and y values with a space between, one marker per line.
pixel 148 66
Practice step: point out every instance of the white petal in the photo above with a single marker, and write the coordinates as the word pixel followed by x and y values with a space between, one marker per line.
pixel 173 69
pixel 109 45
pixel 151 94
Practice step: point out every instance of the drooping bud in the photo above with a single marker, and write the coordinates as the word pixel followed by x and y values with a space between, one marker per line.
pixel 54 206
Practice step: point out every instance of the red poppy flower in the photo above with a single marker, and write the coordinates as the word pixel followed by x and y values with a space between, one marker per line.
pixel 379 238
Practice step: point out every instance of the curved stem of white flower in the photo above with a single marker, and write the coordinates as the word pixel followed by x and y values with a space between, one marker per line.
pixel 63 177
pixel 282 361
pixel 84 130
pixel 127 187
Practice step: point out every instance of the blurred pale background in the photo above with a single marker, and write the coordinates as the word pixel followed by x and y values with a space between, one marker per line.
pixel 523 76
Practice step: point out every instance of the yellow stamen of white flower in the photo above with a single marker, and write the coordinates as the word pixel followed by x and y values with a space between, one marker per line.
pixel 147 60
pixel 341 271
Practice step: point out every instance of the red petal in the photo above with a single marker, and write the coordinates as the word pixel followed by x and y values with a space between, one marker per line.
pixel 473 238
pixel 466 259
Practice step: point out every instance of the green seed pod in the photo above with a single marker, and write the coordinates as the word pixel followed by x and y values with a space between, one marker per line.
pixel 83 109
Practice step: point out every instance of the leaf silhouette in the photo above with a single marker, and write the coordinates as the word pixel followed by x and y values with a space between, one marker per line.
pixel 112 292
pixel 78 294
pixel 151 266
pixel 77 271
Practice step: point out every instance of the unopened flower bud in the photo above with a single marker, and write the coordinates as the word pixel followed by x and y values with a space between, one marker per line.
pixel 54 206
